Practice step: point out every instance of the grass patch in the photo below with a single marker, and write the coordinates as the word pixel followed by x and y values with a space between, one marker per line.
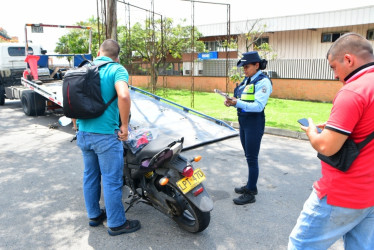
pixel 280 113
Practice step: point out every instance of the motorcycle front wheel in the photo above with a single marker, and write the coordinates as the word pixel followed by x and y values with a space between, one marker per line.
pixel 186 214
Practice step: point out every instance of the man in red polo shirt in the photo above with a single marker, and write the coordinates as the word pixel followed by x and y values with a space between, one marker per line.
pixel 342 203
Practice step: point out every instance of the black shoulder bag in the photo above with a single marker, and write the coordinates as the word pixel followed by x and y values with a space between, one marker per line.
pixel 344 158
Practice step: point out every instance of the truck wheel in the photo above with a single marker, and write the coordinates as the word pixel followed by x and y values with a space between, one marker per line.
pixel 2 95
pixel 32 103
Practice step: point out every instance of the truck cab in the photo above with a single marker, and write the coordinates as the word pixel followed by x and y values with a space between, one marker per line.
pixel 12 64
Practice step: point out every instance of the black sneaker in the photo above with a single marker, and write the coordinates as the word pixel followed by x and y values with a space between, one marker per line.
pixel 245 198
pixel 129 227
pixel 94 222
pixel 241 190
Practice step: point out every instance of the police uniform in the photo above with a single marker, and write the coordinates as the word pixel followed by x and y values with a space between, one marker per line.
pixel 252 95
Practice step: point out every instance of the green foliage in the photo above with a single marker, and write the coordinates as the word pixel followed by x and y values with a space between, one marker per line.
pixel 254 33
pixel 77 40
pixel 232 44
pixel 265 51
pixel 152 42
pixel 236 75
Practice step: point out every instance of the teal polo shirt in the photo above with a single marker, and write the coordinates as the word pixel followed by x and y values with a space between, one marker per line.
pixel 108 122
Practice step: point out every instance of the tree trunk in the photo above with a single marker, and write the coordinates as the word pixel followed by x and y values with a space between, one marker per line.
pixel 111 31
pixel 154 77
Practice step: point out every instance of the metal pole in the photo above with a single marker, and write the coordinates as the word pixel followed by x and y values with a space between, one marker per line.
pixel 228 35
pixel 98 21
pixel 129 41
pixel 152 12
pixel 153 40
pixel 227 51
pixel 26 42
pixel 90 42
pixel 192 55
pixel 105 20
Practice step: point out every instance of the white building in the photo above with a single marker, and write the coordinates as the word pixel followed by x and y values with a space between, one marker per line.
pixel 306 36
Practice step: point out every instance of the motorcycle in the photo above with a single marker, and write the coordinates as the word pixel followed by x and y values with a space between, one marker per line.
pixel 161 177
pixel 158 175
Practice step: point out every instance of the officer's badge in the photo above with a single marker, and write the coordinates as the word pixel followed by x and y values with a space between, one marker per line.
pixel 264 89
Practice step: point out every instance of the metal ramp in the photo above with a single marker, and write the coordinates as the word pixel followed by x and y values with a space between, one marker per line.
pixel 176 121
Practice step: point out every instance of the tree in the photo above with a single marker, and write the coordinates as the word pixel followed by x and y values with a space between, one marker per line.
pixel 76 41
pixel 254 39
pixel 4 37
pixel 152 43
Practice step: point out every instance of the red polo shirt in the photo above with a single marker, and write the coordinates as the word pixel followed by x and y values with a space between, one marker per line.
pixel 352 114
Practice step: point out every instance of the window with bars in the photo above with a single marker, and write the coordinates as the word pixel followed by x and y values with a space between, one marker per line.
pixel 260 41
pixel 216 46
pixel 370 35
pixel 331 36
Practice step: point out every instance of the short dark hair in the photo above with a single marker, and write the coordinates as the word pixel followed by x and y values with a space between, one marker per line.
pixel 110 48
pixel 350 43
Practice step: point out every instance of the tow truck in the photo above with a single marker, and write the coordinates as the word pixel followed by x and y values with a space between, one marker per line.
pixel 41 88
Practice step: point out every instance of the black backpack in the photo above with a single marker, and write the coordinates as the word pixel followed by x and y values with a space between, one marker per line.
pixel 82 93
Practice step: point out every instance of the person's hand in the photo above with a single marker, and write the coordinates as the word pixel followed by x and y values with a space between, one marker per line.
pixel 321 125
pixel 123 133
pixel 230 101
pixel 312 128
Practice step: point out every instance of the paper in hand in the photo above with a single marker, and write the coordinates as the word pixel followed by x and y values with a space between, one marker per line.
pixel 222 93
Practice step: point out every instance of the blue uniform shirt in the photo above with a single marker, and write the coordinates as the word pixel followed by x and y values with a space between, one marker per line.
pixel 108 122
pixel 263 89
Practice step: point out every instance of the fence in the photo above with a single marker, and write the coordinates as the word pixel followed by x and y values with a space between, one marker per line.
pixel 316 69
pixel 312 69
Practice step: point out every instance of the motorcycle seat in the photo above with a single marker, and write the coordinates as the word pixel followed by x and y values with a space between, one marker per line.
pixel 150 150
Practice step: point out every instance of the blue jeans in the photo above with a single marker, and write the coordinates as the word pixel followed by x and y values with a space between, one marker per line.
pixel 320 225
pixel 251 130
pixel 103 159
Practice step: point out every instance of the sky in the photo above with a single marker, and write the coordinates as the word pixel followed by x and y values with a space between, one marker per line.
pixel 16 13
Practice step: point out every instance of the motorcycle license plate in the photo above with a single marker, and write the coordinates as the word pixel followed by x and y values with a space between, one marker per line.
pixel 187 184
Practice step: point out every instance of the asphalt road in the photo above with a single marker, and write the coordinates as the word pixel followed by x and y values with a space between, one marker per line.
pixel 41 198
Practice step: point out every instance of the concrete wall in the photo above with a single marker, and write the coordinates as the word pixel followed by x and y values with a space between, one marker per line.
pixel 310 90
pixel 295 89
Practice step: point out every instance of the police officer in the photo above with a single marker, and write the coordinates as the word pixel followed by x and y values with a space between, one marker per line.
pixel 250 98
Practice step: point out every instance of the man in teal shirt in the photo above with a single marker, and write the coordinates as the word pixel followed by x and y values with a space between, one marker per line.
pixel 100 141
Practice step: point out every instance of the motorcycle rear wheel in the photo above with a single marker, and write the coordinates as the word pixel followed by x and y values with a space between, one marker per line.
pixel 187 215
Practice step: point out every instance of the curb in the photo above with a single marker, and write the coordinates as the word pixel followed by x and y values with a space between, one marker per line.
pixel 277 131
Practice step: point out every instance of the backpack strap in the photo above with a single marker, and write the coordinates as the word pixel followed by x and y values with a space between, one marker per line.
pixel 111 100
pixel 366 141
pixel 115 96
pixel 84 62
pixel 104 63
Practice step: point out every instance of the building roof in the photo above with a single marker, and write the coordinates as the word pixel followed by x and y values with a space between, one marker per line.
pixel 338 18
